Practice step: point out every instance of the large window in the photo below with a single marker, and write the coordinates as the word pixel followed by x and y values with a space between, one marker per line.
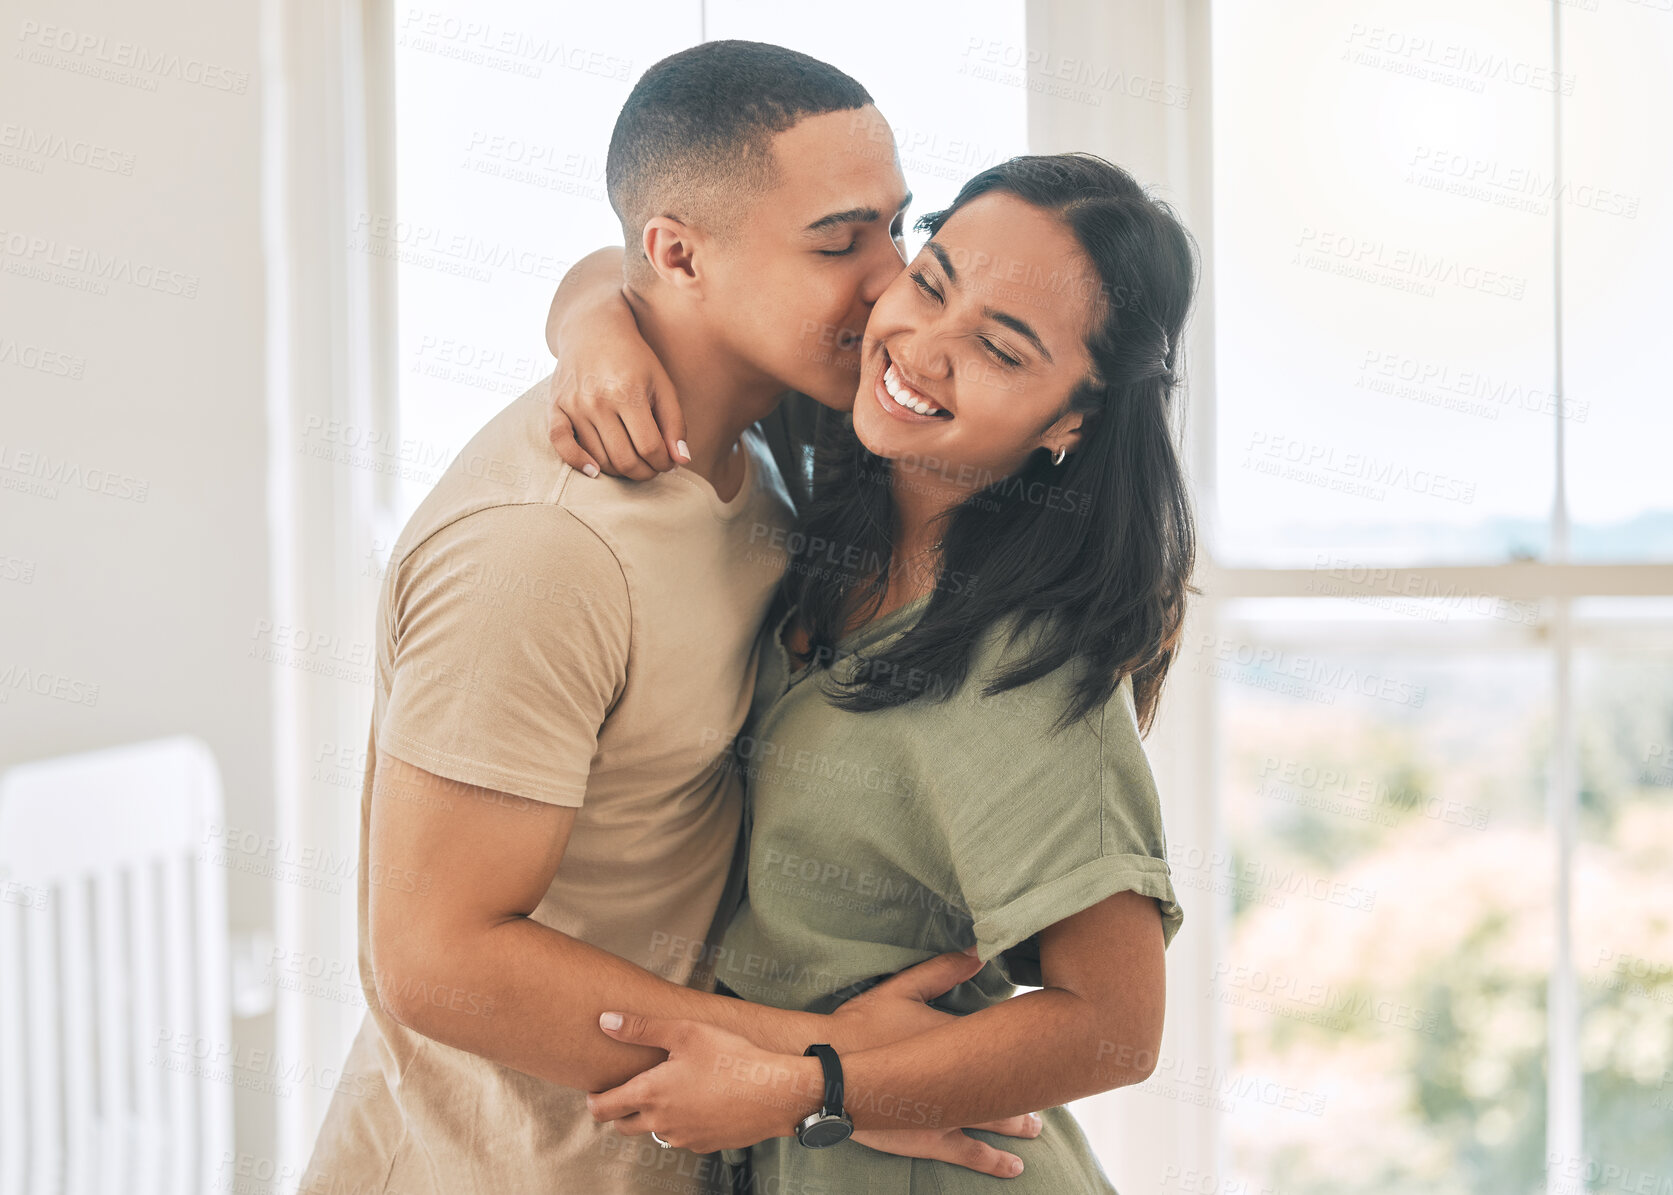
pixel 1436 639
pixel 1442 733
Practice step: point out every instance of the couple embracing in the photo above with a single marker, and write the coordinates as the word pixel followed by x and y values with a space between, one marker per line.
pixel 761 720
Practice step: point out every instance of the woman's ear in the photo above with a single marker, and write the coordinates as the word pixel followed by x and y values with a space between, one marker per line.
pixel 1065 432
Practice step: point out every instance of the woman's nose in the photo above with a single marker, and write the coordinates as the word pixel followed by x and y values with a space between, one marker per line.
pixel 921 354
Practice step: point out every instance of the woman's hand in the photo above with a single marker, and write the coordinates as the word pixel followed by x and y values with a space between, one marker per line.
pixel 719 1091
pixel 956 1145
pixel 612 405
pixel 899 1006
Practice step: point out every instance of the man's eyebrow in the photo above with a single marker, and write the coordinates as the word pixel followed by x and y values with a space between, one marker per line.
pixel 854 215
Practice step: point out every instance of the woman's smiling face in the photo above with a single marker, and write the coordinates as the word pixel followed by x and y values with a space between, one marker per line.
pixel 972 352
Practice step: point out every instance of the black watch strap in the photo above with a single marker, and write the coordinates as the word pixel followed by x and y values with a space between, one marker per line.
pixel 833 1076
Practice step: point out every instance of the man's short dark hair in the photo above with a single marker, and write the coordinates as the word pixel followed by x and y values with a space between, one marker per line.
pixel 694 139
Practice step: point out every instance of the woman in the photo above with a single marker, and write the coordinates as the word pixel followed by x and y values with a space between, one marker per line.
pixel 944 749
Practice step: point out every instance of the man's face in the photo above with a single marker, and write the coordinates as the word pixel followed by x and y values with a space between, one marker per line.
pixel 807 260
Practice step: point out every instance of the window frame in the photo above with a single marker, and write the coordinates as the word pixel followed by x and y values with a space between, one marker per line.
pixel 1147 1138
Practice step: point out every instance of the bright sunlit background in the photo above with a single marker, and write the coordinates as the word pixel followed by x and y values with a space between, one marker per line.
pixel 526 141
pixel 1416 755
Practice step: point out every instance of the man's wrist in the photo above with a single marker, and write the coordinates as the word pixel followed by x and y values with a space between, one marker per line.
pixel 793 1031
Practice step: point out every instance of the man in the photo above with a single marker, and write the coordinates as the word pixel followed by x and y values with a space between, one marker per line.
pixel 547 823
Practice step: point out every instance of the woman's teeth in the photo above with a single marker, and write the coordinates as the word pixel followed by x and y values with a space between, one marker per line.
pixel 905 395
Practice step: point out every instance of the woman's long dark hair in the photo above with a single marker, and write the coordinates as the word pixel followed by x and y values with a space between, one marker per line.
pixel 1099 551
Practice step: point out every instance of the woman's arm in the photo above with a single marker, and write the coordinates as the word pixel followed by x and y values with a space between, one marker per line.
pixel 1096 1025
pixel 612 405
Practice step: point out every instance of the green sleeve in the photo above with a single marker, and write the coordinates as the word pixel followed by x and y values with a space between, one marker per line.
pixel 1040 827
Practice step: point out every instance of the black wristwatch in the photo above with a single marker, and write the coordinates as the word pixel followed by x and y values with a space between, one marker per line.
pixel 830 1125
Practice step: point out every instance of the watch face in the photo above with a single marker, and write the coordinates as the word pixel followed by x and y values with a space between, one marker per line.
pixel 828 1130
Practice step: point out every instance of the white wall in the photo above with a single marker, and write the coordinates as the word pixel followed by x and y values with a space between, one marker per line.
pixel 133 442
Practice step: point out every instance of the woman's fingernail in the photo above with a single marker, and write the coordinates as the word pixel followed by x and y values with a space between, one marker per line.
pixel 610 1020
pixel 1014 1167
pixel 1034 1120
pixel 685 452
pixel 590 469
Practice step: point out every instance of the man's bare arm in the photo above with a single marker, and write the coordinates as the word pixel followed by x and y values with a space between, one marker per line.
pixel 459 959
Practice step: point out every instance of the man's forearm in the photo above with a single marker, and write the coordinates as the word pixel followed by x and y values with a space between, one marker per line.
pixel 529 997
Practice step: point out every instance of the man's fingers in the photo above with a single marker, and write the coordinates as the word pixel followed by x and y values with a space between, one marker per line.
pixel 632 1125
pixel 641 1030
pixel 619 1105
pixel 935 976
pixel 1027 1125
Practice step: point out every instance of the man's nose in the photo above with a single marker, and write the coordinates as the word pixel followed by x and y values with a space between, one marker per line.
pixel 885 268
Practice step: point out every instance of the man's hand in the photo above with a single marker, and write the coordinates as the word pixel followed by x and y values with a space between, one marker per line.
pixel 612 405
pixel 719 1091
pixel 715 1091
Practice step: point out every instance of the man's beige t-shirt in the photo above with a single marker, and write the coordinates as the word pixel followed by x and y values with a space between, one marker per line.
pixel 588 642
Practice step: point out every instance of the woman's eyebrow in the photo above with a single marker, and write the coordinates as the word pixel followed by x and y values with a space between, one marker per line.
pixel 945 258
pixel 1019 326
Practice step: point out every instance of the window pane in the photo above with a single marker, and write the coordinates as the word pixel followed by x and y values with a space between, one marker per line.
pixel 503 115
pixel 1383 313
pixel 1618 278
pixel 1390 877
pixel 1623 896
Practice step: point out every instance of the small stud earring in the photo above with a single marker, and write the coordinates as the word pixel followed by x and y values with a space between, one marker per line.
pixel 1057 457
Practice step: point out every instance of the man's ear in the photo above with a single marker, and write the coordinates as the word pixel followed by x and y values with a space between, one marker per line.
pixel 670 246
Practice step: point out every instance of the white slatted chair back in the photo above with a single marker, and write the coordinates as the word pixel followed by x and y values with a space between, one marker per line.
pixel 116 1071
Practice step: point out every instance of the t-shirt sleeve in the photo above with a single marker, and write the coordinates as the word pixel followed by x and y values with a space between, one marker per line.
pixel 1041 827
pixel 512 629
